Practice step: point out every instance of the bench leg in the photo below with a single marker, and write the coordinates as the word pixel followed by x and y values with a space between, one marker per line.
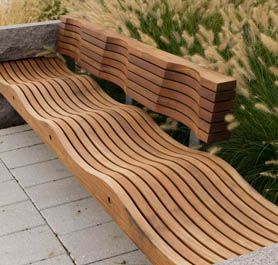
pixel 193 140
pixel 128 100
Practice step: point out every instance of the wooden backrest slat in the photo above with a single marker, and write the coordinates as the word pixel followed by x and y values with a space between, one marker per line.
pixel 163 82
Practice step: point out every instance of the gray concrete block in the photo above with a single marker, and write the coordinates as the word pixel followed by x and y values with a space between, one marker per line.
pixel 133 258
pixel 57 192
pixel 29 246
pixel 74 216
pixel 4 173
pixel 264 256
pixel 97 243
pixel 27 40
pixel 16 141
pixel 11 192
pixel 18 217
pixel 40 173
pixel 59 260
pixel 26 156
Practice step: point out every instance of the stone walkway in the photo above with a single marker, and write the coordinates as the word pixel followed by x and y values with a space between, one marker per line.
pixel 46 217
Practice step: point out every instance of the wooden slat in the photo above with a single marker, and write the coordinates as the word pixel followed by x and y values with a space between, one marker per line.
pixel 180 206
pixel 162 82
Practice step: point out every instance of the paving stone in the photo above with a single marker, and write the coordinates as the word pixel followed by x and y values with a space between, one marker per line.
pixel 263 256
pixel 11 192
pixel 74 216
pixel 56 192
pixel 4 172
pixel 26 156
pixel 97 243
pixel 29 246
pixel 15 129
pixel 59 260
pixel 133 258
pixel 18 140
pixel 18 217
pixel 40 173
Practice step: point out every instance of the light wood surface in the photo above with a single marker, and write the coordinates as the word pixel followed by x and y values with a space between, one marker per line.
pixel 167 84
pixel 180 206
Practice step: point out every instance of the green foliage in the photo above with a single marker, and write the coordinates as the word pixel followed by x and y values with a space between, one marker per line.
pixel 253 147
pixel 52 10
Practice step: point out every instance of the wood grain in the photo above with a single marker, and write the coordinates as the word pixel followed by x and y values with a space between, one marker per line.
pixel 180 206
pixel 164 83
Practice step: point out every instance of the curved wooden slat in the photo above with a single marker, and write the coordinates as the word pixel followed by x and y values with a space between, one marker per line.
pixel 180 206
pixel 162 82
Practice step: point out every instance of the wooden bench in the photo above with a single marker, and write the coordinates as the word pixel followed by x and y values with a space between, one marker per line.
pixel 180 206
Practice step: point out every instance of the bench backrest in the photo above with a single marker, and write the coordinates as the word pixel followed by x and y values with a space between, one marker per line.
pixel 165 83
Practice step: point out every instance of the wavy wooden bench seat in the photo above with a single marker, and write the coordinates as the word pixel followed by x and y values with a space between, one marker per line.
pixel 180 206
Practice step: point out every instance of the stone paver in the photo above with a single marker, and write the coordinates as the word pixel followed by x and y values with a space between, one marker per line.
pixel 17 217
pixel 56 192
pixel 29 246
pixel 133 258
pixel 264 256
pixel 18 140
pixel 15 129
pixel 97 243
pixel 11 192
pixel 4 173
pixel 26 156
pixel 75 216
pixel 40 173
pixel 59 260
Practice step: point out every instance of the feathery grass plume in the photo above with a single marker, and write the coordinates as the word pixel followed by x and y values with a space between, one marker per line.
pixel 164 39
pixel 160 22
pixel 262 107
pixel 239 70
pixel 207 34
pixel 212 54
pixel 176 18
pixel 229 118
pixel 272 162
pixel 270 43
pixel 201 61
pixel 214 150
pixel 177 36
pixel 273 70
pixel 274 20
pixel 176 5
pixel 147 39
pixel 17 12
pixel 269 174
pixel 254 31
pixel 188 39
pixel 184 51
pixel 233 125
pixel 224 44
pixel 134 20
